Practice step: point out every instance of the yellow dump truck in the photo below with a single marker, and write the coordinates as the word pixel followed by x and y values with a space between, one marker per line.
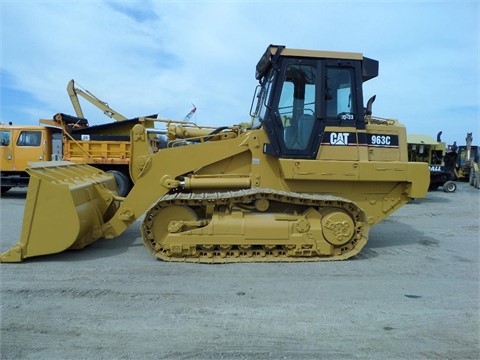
pixel 304 182
pixel 65 137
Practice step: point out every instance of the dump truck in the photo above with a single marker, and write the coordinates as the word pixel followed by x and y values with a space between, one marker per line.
pixel 305 181
pixel 68 138
pixel 425 148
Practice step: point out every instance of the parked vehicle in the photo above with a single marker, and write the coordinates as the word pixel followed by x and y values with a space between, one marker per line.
pixel 305 182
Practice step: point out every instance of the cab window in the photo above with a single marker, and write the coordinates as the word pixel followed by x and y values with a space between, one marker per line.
pixel 297 105
pixel 29 138
pixel 5 138
pixel 338 93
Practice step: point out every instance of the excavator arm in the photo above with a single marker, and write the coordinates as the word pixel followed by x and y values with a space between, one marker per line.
pixel 73 93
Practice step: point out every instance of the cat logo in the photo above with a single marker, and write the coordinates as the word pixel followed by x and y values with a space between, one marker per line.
pixel 339 138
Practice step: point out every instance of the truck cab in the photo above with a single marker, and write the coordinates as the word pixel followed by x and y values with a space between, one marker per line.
pixel 20 145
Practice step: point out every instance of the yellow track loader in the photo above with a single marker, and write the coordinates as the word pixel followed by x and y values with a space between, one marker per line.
pixel 303 182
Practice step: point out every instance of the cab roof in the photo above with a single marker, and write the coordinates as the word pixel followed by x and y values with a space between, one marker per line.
pixel 315 53
pixel 369 66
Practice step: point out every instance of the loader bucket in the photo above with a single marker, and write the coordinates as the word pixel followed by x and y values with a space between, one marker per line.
pixel 65 208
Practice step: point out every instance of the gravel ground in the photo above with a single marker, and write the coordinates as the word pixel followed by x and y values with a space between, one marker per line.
pixel 413 293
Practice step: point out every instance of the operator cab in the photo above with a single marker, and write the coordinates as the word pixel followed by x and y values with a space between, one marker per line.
pixel 301 92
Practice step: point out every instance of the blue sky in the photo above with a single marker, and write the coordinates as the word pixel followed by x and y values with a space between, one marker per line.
pixel 146 57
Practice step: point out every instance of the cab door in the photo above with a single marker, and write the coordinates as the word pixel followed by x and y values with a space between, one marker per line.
pixel 22 146
pixel 6 149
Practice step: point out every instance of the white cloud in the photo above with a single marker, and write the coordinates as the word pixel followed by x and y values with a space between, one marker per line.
pixel 144 57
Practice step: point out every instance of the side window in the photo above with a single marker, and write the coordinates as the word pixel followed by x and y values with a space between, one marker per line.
pixel 5 138
pixel 338 93
pixel 29 138
pixel 297 106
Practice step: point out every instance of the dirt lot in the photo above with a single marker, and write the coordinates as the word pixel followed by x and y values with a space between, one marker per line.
pixel 413 293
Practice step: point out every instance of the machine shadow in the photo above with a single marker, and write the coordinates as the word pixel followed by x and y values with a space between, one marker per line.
pixel 15 193
pixel 394 236
pixel 102 248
